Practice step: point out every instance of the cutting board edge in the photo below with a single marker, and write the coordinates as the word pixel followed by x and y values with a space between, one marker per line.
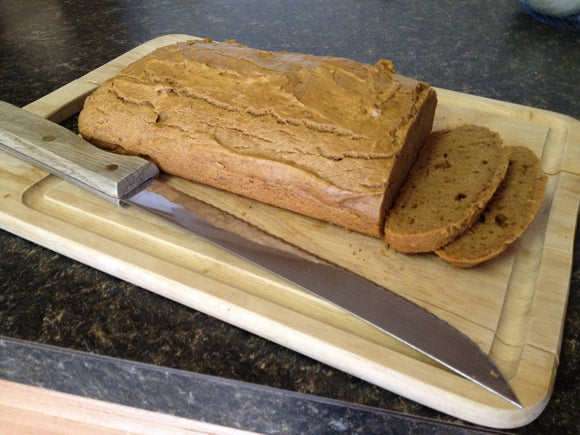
pixel 164 40
pixel 528 113
pixel 436 395
pixel 80 253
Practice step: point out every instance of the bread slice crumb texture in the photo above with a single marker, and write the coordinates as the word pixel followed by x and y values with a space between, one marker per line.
pixel 453 179
pixel 507 215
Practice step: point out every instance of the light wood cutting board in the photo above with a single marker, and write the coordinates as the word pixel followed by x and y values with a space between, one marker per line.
pixel 513 307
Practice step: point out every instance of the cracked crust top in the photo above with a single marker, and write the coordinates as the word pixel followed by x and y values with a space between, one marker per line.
pixel 326 137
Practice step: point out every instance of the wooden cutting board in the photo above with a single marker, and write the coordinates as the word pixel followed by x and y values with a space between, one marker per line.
pixel 513 307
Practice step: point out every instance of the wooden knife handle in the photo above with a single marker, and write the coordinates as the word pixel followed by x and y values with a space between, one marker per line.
pixel 65 154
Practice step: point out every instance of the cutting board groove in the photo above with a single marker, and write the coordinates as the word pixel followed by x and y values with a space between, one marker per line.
pixel 513 307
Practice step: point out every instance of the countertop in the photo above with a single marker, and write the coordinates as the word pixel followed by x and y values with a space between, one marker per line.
pixel 53 309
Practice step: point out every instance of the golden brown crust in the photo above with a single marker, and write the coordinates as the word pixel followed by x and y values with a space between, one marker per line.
pixel 326 137
pixel 507 215
pixel 454 177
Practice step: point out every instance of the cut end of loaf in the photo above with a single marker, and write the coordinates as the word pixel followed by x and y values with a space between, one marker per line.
pixel 455 176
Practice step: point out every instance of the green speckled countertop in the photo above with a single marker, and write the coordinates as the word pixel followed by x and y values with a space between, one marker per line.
pixel 491 49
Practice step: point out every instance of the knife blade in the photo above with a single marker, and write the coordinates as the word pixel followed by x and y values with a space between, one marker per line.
pixel 130 180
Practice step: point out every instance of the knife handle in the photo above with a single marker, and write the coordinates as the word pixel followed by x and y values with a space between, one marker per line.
pixel 65 154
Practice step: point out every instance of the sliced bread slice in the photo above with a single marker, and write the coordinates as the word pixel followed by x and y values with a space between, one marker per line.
pixel 453 179
pixel 507 215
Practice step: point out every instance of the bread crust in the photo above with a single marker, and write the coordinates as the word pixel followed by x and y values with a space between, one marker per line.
pixel 325 137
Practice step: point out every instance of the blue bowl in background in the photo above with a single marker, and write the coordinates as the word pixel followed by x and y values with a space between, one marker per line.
pixel 561 13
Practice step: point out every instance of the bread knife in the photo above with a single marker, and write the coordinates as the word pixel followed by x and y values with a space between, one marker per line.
pixel 130 181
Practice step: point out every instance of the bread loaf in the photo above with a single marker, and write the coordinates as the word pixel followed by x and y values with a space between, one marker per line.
pixel 507 215
pixel 325 137
pixel 455 176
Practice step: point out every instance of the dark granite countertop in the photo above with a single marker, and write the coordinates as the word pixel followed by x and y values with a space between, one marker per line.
pixel 491 49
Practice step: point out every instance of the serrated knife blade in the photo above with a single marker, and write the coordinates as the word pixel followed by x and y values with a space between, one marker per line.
pixel 131 180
